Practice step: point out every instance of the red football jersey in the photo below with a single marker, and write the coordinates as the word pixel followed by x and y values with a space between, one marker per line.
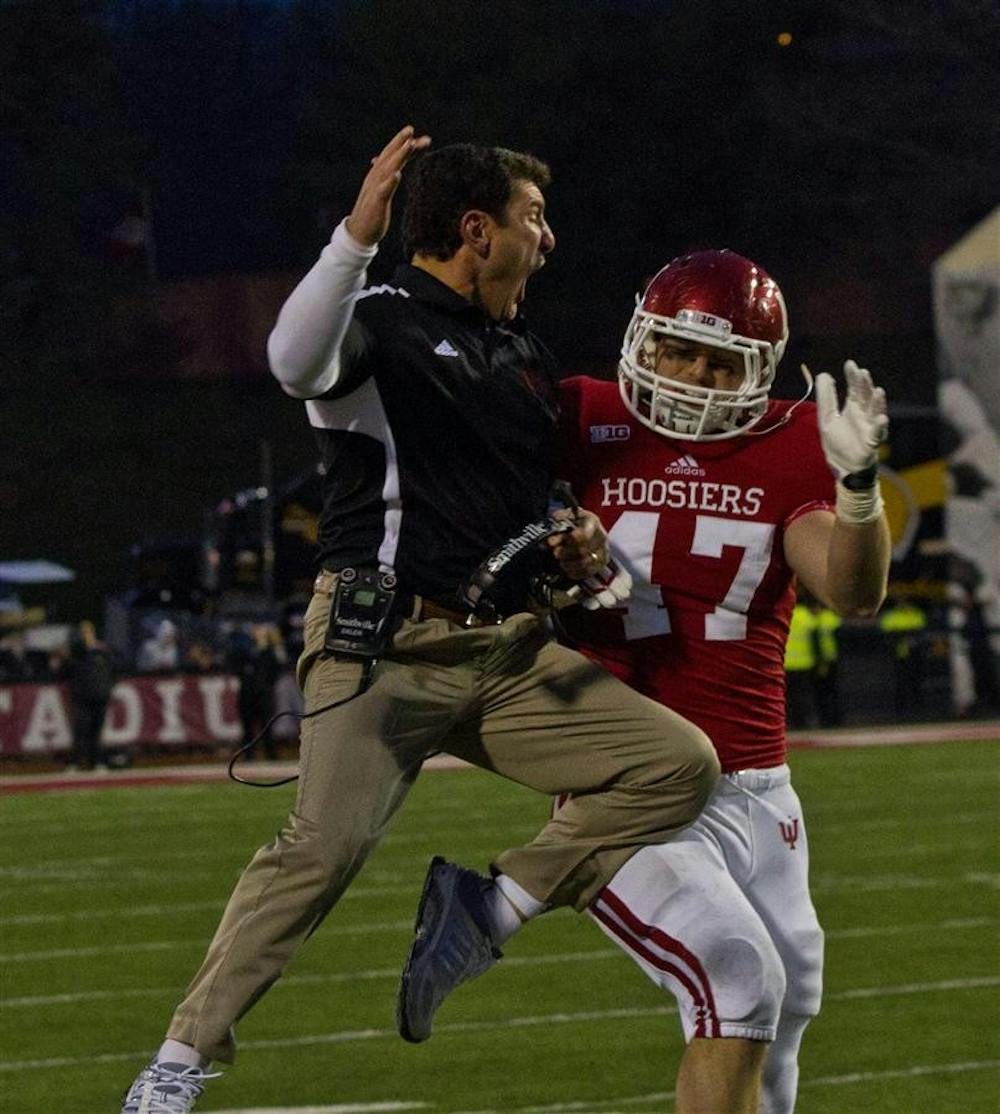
pixel 700 526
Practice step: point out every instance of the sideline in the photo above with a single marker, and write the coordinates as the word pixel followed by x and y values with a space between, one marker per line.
pixel 959 731
pixel 193 774
pixel 948 731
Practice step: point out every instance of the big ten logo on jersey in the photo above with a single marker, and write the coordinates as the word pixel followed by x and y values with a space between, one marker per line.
pixel 599 433
pixel 680 492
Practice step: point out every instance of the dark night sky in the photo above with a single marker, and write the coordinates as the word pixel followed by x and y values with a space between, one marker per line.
pixel 868 141
pixel 844 162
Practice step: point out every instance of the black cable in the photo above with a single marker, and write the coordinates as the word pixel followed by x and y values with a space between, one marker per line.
pixel 366 680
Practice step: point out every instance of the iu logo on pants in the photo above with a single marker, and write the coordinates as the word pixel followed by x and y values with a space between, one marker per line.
pixel 790 832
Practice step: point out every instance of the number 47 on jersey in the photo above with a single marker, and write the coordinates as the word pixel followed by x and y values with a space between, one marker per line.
pixel 633 537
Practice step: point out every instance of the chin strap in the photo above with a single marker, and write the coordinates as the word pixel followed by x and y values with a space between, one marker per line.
pixel 807 375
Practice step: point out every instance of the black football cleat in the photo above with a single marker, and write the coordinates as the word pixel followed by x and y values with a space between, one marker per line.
pixel 452 945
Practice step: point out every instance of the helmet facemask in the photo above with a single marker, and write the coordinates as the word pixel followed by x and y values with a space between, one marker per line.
pixel 686 410
pixel 717 300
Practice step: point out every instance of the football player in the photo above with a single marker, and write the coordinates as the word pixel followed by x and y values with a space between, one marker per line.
pixel 719 500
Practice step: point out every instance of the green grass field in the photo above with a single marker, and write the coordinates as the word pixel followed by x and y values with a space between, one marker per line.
pixel 112 895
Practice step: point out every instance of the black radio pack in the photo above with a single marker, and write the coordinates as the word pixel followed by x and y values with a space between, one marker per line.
pixel 363 604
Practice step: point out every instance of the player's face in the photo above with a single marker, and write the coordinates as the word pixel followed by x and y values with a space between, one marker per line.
pixel 518 246
pixel 701 365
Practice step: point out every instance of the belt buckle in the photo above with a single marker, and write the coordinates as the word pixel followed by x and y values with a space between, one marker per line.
pixel 473 619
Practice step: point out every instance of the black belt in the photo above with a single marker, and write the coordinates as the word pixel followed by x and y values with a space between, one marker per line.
pixel 412 606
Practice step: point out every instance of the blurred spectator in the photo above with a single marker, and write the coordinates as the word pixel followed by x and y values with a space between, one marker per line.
pixel 200 658
pixel 160 653
pixel 91 677
pixel 903 622
pixel 57 663
pixel 972 531
pixel 287 699
pixel 975 681
pixel 800 668
pixel 828 624
pixel 257 657
pixel 293 629
pixel 15 665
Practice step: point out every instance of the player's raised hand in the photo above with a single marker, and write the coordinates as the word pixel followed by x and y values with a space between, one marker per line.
pixel 369 219
pixel 851 434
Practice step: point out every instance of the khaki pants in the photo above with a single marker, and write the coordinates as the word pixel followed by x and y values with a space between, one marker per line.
pixel 505 698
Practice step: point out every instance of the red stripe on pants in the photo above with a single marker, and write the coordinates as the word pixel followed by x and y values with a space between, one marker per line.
pixel 632 932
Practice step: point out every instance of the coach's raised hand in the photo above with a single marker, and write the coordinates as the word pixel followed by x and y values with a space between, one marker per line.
pixel 369 219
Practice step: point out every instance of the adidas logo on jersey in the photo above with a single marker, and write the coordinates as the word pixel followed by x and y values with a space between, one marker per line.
pixel 446 348
pixel 685 466
pixel 609 433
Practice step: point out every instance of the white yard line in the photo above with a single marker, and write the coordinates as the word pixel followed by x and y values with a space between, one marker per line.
pixel 352 1036
pixel 349 1108
pixel 874 883
pixel 293 981
pixel 166 945
pixel 365 975
pixel 818 821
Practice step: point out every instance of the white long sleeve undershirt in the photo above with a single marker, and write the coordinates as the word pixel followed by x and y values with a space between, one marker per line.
pixel 304 346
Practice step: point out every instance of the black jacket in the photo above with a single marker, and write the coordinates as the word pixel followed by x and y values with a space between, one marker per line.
pixel 437 442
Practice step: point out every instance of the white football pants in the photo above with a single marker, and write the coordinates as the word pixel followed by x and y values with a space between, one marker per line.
pixel 722 918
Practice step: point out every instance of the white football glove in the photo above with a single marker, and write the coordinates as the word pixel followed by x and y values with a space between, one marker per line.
pixel 608 588
pixel 852 435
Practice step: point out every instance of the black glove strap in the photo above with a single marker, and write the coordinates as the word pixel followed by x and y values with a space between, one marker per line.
pixel 861 481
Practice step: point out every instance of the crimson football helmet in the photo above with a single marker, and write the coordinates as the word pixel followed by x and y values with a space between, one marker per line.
pixel 715 298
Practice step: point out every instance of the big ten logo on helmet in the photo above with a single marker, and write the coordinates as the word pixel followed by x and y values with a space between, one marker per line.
pixel 697 495
pixel 600 433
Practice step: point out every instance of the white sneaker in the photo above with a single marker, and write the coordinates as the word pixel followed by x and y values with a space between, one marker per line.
pixel 165 1089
